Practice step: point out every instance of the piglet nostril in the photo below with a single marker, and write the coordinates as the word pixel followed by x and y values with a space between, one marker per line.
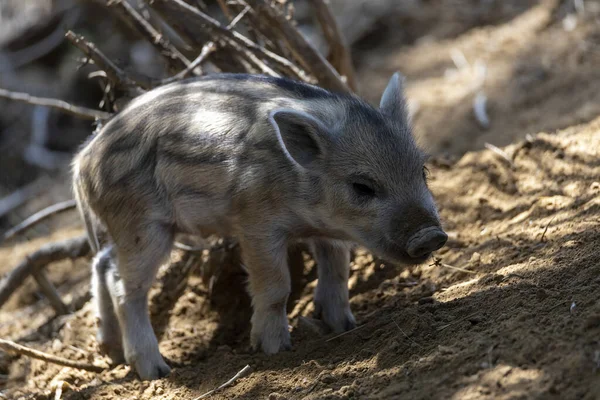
pixel 425 241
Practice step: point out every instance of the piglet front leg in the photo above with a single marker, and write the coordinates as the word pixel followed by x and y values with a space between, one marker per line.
pixel 265 257
pixel 332 303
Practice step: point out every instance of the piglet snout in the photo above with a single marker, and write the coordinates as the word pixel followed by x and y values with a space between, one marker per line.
pixel 425 241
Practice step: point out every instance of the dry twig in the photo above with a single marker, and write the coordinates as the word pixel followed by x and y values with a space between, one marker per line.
pixel 61 105
pixel 310 59
pixel 50 292
pixel 404 333
pixel 174 57
pixel 39 217
pixel 546 229
pixel 242 373
pixel 339 55
pixel 201 23
pixel 501 153
pixel 438 263
pixel 114 73
pixel 441 328
pixel 13 347
pixel 347 332
pixel 49 253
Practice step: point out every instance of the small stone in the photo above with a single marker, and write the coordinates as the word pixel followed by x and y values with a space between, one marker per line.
pixel 57 345
pixel 326 377
pixel 446 349
pixel 276 396
pixel 595 186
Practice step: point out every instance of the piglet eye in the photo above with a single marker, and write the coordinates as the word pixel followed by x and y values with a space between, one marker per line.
pixel 363 190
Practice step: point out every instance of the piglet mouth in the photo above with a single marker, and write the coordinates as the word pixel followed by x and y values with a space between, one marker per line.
pixel 425 241
pixel 398 255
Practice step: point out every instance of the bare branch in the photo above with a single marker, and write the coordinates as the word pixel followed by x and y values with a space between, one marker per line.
pixel 225 9
pixel 39 217
pixel 206 51
pixel 339 55
pixel 242 373
pixel 61 105
pixel 22 195
pixel 114 73
pixel 204 22
pixel 50 292
pixel 303 51
pixel 145 28
pixel 13 347
pixel 49 253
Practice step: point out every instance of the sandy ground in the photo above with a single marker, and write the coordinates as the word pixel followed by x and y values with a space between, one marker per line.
pixel 508 310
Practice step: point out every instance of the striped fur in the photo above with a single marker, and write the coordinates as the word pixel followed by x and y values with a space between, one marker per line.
pixel 267 160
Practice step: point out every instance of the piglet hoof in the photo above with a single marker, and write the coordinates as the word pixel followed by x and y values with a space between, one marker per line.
pixel 272 337
pixel 338 319
pixel 150 366
pixel 109 343
pixel 113 350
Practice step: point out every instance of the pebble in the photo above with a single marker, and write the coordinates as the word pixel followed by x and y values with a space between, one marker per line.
pixel 276 396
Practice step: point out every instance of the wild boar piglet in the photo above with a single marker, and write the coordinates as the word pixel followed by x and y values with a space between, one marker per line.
pixel 269 161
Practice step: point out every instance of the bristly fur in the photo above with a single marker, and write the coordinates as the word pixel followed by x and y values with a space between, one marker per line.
pixel 268 160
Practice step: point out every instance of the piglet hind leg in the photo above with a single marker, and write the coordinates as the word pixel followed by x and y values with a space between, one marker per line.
pixel 269 281
pixel 139 254
pixel 332 303
pixel 108 334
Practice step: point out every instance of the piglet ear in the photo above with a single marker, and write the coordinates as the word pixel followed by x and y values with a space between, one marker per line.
pixel 392 101
pixel 302 137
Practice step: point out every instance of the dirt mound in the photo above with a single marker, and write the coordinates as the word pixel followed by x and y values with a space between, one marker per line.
pixel 509 309
pixel 538 72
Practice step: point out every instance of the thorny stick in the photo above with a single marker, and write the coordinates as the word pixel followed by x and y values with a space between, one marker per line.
pixel 8 345
pixel 61 105
pixel 39 217
pixel 242 373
